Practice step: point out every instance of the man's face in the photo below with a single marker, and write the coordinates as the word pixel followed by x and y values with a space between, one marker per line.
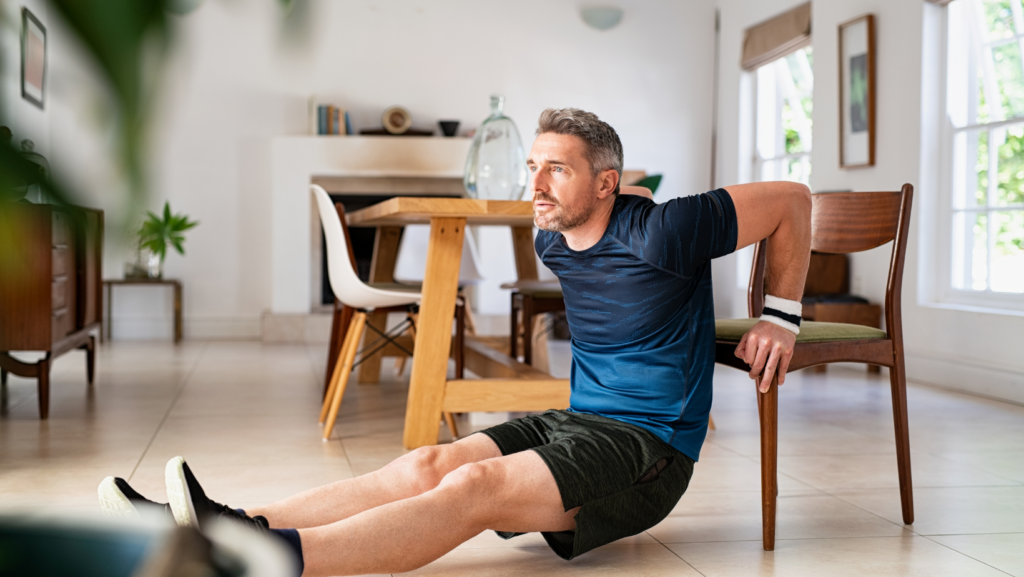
pixel 564 189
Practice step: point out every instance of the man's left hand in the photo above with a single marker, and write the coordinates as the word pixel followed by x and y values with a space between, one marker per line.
pixel 769 347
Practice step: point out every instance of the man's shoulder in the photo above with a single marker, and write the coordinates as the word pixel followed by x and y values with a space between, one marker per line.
pixel 544 239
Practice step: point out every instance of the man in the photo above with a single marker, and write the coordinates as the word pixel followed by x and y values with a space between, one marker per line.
pixel 636 276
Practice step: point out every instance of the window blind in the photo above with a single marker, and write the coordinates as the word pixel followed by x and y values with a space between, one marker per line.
pixel 777 37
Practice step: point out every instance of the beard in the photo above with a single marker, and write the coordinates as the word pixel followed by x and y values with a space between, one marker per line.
pixel 561 218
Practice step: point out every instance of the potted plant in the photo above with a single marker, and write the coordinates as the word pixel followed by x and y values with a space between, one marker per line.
pixel 159 232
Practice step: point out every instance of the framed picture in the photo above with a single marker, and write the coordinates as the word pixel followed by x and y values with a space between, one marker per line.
pixel 33 58
pixel 857 92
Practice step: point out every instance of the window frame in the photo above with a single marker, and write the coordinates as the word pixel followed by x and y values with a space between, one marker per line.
pixel 945 293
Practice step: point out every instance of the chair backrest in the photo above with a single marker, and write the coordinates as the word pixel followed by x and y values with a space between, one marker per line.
pixel 340 269
pixel 845 222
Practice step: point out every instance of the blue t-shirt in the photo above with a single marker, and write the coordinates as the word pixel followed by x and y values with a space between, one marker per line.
pixel 640 308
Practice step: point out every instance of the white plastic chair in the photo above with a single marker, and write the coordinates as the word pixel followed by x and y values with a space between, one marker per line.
pixel 352 292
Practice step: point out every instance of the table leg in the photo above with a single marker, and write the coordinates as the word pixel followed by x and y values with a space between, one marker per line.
pixel 526 255
pixel 434 332
pixel 382 270
pixel 177 313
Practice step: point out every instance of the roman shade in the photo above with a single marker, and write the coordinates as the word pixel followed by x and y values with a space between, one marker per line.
pixel 777 37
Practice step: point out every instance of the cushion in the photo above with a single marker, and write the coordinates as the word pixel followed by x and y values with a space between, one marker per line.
pixel 536 288
pixel 810 331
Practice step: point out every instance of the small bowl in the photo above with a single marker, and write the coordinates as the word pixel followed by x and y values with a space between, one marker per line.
pixel 449 127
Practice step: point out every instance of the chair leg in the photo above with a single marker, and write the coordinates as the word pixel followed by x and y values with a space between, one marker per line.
pixel 449 419
pixel 339 360
pixel 898 382
pixel 358 324
pixel 459 342
pixel 338 329
pixel 514 328
pixel 528 330
pixel 711 422
pixel 768 409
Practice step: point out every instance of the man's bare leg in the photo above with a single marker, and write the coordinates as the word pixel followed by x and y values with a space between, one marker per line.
pixel 513 493
pixel 407 476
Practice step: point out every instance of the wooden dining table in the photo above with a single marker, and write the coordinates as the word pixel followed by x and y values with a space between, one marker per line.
pixel 505 384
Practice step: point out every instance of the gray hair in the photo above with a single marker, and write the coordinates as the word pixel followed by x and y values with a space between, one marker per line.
pixel 602 147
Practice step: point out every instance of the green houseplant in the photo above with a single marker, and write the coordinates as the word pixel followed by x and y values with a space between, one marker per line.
pixel 158 232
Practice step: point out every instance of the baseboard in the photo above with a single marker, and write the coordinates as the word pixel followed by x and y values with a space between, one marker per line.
pixel 156 328
pixel 295 328
pixel 966 376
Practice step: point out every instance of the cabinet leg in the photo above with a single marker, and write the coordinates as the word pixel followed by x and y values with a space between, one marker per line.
pixel 90 359
pixel 3 377
pixel 43 387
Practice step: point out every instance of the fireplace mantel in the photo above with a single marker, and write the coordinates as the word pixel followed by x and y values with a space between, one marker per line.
pixel 297 160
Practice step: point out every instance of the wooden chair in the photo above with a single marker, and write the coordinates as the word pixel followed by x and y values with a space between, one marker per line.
pixel 529 299
pixel 840 223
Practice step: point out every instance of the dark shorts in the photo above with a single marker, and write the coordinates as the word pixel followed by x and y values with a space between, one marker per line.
pixel 624 479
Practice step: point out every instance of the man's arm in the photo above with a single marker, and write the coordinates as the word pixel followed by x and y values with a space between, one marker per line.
pixel 780 212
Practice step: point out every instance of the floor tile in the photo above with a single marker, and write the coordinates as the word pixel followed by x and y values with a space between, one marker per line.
pixel 736 516
pixel 1004 552
pixel 876 556
pixel 949 510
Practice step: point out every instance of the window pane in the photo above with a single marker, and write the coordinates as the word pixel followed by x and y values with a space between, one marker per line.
pixel 1010 187
pixel 1008 254
pixel 799 169
pixel 970 169
pixel 970 247
pixel 998 16
pixel 1007 63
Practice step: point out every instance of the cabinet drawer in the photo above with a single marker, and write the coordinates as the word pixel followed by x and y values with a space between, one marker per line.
pixel 62 323
pixel 60 293
pixel 60 228
pixel 61 261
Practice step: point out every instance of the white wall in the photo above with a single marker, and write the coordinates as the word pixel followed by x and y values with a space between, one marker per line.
pixel 234 85
pixel 971 351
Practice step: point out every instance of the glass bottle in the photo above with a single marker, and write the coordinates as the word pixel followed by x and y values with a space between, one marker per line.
pixel 496 166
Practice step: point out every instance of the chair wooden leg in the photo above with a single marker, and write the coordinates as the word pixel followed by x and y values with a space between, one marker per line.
pixel 459 344
pixel 898 382
pixel 339 360
pixel 358 324
pixel 341 320
pixel 449 419
pixel 768 409
pixel 528 329
pixel 513 340
pixel 711 422
pixel 369 369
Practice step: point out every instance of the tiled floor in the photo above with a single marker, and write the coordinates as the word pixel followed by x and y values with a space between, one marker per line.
pixel 244 415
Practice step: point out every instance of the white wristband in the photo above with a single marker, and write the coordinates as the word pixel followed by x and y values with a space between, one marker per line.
pixel 782 312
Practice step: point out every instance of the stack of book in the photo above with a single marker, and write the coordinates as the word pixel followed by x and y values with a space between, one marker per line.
pixel 331 119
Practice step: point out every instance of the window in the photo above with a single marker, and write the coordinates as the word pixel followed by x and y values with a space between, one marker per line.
pixel 984 209
pixel 782 129
pixel 783 121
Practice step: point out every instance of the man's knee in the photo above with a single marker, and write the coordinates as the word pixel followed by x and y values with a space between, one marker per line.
pixel 424 468
pixel 473 479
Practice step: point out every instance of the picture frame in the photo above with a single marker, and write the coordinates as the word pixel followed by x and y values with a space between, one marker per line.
pixel 33 58
pixel 857 110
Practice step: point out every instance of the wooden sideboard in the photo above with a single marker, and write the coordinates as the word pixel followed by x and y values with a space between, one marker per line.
pixel 50 287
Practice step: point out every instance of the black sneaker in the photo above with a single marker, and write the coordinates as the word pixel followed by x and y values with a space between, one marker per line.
pixel 191 506
pixel 118 499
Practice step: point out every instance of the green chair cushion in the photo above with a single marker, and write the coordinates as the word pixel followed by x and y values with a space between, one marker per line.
pixel 810 331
